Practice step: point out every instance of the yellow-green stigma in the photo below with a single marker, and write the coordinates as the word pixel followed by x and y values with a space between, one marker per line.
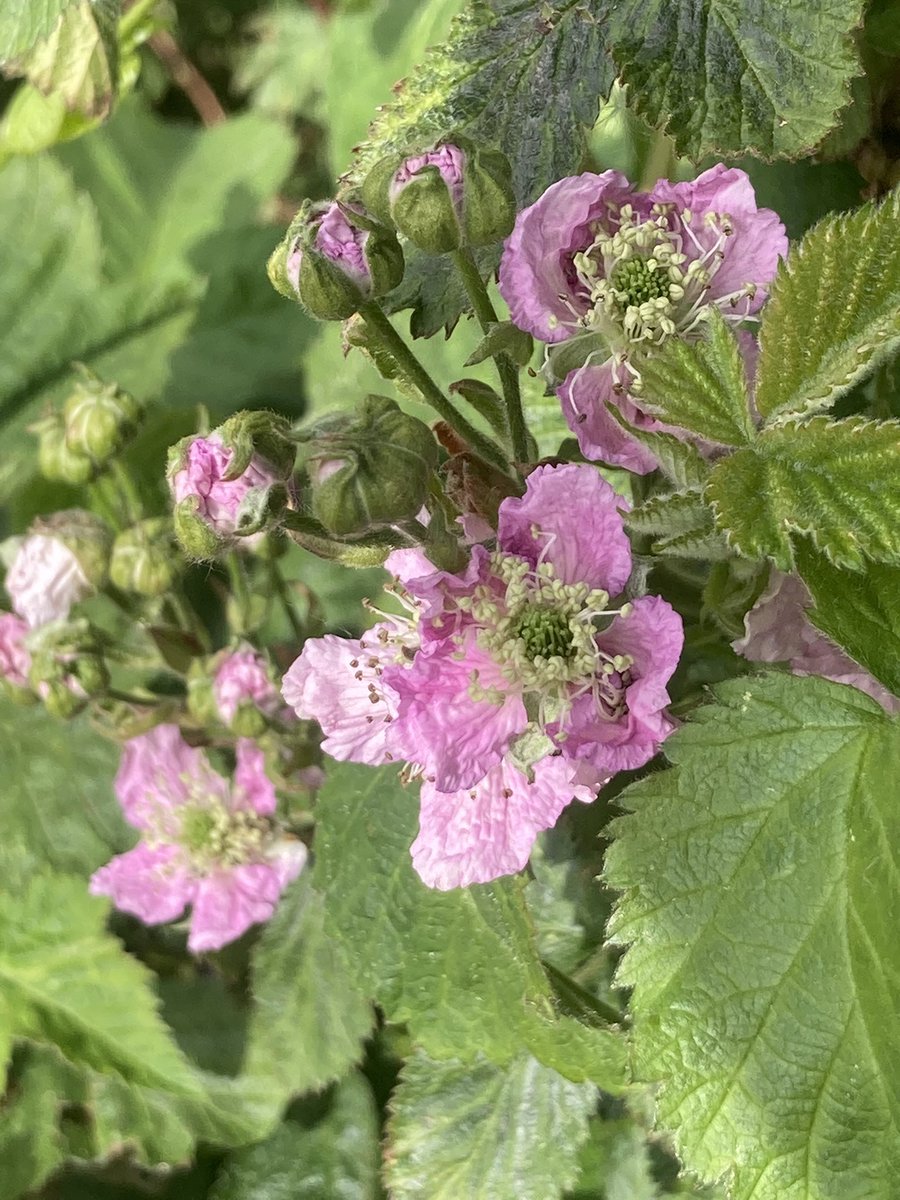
pixel 212 834
pixel 638 280
pixel 545 632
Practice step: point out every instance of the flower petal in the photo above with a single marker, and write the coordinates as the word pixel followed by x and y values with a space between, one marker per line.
pixel 579 519
pixel 479 833
pixel 583 396
pixel 439 726
pixel 228 902
pixel 150 882
pixel 335 683
pixel 535 270
pixel 158 773
pixel 253 789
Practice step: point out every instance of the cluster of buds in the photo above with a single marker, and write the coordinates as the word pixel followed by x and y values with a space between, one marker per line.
pixel 231 485
pixel 96 423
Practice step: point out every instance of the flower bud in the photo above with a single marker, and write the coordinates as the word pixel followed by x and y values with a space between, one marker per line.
pixel 100 418
pixel 369 469
pixel 63 559
pixel 224 491
pixel 451 196
pixel 145 559
pixel 335 258
pixel 56 461
pixel 67 668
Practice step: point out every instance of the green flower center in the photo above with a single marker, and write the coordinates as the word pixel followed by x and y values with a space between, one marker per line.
pixel 640 280
pixel 198 827
pixel 211 834
pixel 545 632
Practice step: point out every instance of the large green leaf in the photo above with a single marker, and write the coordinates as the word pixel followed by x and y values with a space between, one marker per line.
pixel 459 967
pixel 57 800
pixel 730 76
pixel 834 311
pixel 25 22
pixel 485 1132
pixel 30 1143
pixel 325 1149
pixel 178 308
pixel 310 1017
pixel 838 481
pixel 760 892
pixel 859 611
pixel 701 386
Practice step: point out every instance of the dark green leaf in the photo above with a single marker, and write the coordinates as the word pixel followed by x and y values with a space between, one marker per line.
pixel 759 883
pixel 731 76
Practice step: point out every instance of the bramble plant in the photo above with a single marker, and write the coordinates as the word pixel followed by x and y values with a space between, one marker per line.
pixel 455 768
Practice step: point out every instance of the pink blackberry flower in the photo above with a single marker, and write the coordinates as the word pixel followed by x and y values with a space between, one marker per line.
pixel 513 687
pixel 45 580
pixel 593 255
pixel 199 478
pixel 777 629
pixel 205 842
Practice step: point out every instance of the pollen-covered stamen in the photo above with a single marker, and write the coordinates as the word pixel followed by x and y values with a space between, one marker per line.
pixel 213 835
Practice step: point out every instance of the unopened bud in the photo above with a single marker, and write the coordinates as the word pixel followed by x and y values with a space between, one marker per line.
pixel 335 258
pixel 371 468
pixel 60 701
pixel 56 461
pixel 145 558
pixel 451 196
pixel 62 560
pixel 100 418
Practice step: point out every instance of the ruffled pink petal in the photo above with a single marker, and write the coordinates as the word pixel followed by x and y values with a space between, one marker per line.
pixel 583 396
pixel 535 270
pixel 337 682
pixel 253 789
pixel 759 239
pixel 229 901
pixel 434 588
pixel 159 772
pixel 439 726
pixel 150 882
pixel 579 528
pixel 653 635
pixel 479 833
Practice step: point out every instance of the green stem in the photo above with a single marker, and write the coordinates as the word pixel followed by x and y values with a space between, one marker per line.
pixel 280 588
pixel 130 698
pixel 381 327
pixel 239 587
pixel 186 618
pixel 486 315
pixel 125 485
pixel 132 19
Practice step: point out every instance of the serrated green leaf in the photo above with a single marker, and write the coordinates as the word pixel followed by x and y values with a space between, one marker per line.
pixel 833 313
pixel 730 77
pixel 310 1018
pixel 760 886
pixel 860 612
pixel 68 983
pixel 615 1163
pixel 485 1132
pixel 837 481
pixel 30 1143
pixel 178 309
pixel 57 800
pixel 25 22
pixel 701 386
pixel 327 1149
pixel 460 968
pixel 682 524
pixel 680 462
pixel 80 58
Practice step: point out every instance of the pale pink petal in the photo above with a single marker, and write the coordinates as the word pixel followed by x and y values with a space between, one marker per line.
pixel 45 580
pixel 159 772
pixel 253 789
pixel 758 241
pixel 572 518
pixel 15 660
pixel 434 588
pixel 601 438
pixel 439 726
pixel 242 677
pixel 777 629
pixel 287 858
pixel 653 636
pixel 338 682
pixel 479 833
pixel 152 883
pixel 229 901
